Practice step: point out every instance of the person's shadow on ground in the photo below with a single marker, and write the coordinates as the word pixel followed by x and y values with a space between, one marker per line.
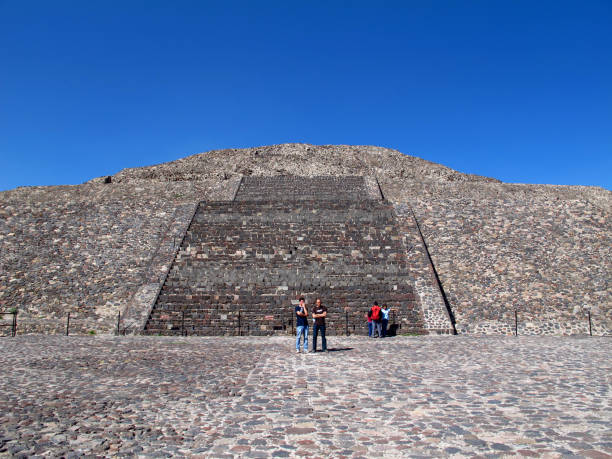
pixel 339 349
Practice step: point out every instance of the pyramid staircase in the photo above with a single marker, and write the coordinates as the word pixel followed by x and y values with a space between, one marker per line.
pixel 243 263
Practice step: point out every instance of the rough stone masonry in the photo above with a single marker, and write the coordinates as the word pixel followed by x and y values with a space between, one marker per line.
pixel 541 252
pixel 244 262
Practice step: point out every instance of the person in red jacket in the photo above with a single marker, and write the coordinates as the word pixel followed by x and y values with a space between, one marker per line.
pixel 376 320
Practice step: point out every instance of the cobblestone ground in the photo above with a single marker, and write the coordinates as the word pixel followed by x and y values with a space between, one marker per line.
pixel 255 397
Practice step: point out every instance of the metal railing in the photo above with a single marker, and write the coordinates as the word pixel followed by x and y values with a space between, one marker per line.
pixel 13 323
pixel 530 317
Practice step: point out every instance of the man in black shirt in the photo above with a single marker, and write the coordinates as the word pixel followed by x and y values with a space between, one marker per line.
pixel 301 325
pixel 319 313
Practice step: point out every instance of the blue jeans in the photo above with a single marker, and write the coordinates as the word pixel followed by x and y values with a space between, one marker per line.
pixel 385 322
pixel 376 328
pixel 301 330
pixel 370 329
pixel 315 332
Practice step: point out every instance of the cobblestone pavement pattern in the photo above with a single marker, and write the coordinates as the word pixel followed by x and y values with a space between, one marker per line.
pixel 255 397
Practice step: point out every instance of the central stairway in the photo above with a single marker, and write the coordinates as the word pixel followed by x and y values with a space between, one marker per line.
pixel 244 263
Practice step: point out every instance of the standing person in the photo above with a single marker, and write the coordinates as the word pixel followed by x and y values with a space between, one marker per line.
pixel 385 319
pixel 301 325
pixel 370 324
pixel 376 316
pixel 319 313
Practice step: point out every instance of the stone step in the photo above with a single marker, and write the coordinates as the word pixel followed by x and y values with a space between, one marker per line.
pixel 298 188
pixel 254 256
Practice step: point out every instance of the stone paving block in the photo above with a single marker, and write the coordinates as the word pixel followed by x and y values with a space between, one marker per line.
pixel 229 396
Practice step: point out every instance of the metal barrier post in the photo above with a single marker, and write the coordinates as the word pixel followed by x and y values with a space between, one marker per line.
pixel 14 326
pixel 590 328
pixel 68 325
pixel 183 325
pixel 515 323
pixel 118 322
pixel 346 317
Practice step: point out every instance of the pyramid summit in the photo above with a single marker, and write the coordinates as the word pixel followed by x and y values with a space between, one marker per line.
pixel 296 159
pixel 222 242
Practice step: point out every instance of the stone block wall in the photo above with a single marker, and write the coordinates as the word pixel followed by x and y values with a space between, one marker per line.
pixel 543 251
pixel 243 264
pixel 98 249
pixel 295 188
pixel 88 249
pixel 437 318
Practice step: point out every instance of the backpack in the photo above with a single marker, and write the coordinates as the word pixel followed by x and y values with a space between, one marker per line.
pixel 375 312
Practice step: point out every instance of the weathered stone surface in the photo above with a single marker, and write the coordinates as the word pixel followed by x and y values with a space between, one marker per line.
pixel 543 251
pixel 433 396
pixel 436 316
pixel 88 249
pixel 93 249
pixel 296 159
pixel 244 262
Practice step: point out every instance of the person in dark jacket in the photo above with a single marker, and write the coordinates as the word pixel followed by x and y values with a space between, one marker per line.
pixel 319 313
pixel 301 325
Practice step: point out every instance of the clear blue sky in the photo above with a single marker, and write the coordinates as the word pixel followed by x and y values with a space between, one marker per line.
pixel 517 90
